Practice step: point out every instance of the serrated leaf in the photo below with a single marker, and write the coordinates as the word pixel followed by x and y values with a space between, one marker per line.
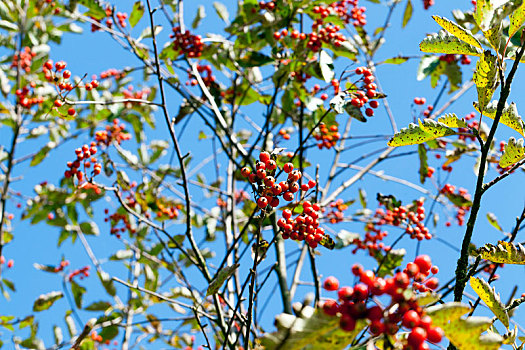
pixel 465 334
pixel 447 44
pixel 222 11
pixel 313 329
pixel 493 220
pixel 504 253
pixel 423 163
pixel 509 117
pixel 407 15
pixel 451 120
pixel 45 301
pixel 98 306
pixel 513 153
pixel 457 30
pixel 415 134
pixel 136 13
pixel 517 18
pixel 222 276
pixel 491 299
pixel 326 64
pixel 485 78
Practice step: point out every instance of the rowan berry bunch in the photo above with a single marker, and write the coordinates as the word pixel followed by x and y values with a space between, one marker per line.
pixel 360 303
pixel 305 226
pixel 208 79
pixel 240 196
pixel 115 132
pixel 85 158
pixel 24 58
pixel 365 93
pixel 490 268
pixel 140 94
pixel 327 137
pixel 10 262
pixel 420 100
pixel 82 273
pixel 336 211
pixel 115 219
pixel 285 134
pixel 347 10
pixel 462 193
pixel 24 99
pixel 465 133
pixel 187 43
pixel 112 72
pixel 264 183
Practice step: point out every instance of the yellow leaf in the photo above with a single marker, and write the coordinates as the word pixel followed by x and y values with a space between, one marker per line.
pixel 509 117
pixel 491 299
pixel 451 120
pixel 504 252
pixel 517 18
pixel 448 44
pixel 457 30
pixel 513 153
pixel 485 78
pixel 416 134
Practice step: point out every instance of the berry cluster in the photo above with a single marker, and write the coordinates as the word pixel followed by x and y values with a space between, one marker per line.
pixel 464 132
pixel 114 132
pixel 121 18
pixel 112 72
pixel 85 158
pixel 115 219
pixel 347 10
pixel 240 196
pixel 63 264
pixel 403 310
pixel 82 272
pixel 265 185
pixel 490 268
pixel 327 137
pixel 187 43
pixel 270 5
pixel 140 94
pixel 285 134
pixel 450 58
pixel 420 100
pixel 336 213
pixel 25 101
pixel 24 58
pixel 368 91
pixel 305 226
pixel 207 79
pixel 461 210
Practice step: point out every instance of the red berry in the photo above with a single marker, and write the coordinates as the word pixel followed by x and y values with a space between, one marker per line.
pixel 287 213
pixel 288 167
pixel 410 319
pixel 345 293
pixel 369 112
pixel 434 334
pixel 360 291
pixel 312 183
pixel 246 171
pixel 357 269
pixel 49 64
pixel 331 283
pixel 330 307
pixel 424 262
pixel 262 202
pixel 374 313
pixel 347 323
pixel 264 157
pixel 374 104
pixel 417 337
pixel 288 196
pixel 71 111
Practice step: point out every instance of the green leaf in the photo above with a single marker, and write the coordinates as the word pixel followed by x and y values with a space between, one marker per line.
pixel 483 14
pixel 355 112
pixel 254 59
pixel 222 276
pixel 491 299
pixel 389 261
pixel 503 253
pixel 458 199
pixel 513 153
pixel 416 134
pixel 493 220
pixel 201 13
pixel 108 333
pixel 95 9
pixel 362 198
pixel 457 30
pixel 107 283
pixel 136 13
pixel 396 60
pixel 485 78
pixel 427 65
pixel 42 154
pixel 326 63
pixel 423 163
pixel 45 301
pixel 448 44
pixel 517 18
pixel 89 228
pixel 78 291
pixel 98 306
pixel 407 14
pixel 313 330
pixel 451 120
pixel 222 11
pixel 344 238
